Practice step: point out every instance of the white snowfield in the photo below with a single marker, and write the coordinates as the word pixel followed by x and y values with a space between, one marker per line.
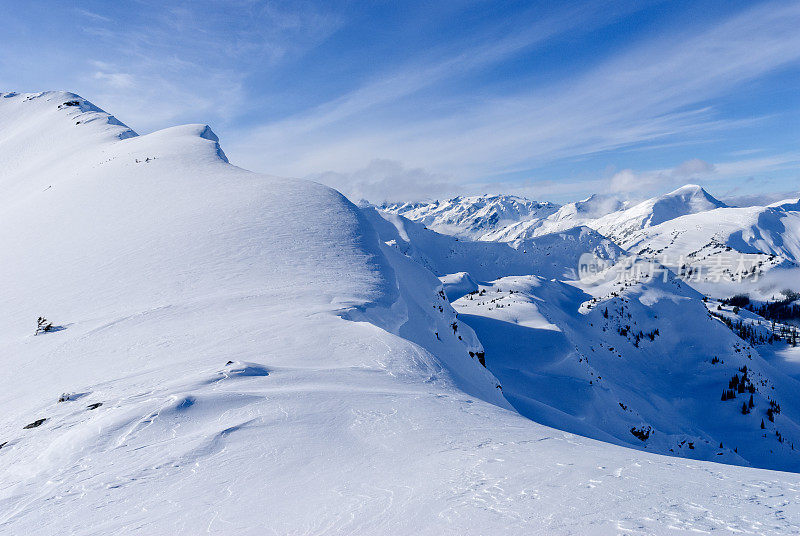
pixel 267 365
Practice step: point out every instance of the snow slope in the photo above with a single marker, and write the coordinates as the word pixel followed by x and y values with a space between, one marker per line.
pixel 42 135
pixel 757 249
pixel 689 199
pixel 604 360
pixel 267 365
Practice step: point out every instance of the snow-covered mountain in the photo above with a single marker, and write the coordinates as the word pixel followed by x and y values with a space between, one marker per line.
pixel 508 218
pixel 232 353
pixel 689 199
pixel 503 218
pixel 688 230
pixel 609 358
pixel 571 215
pixel 615 362
pixel 553 256
pixel 474 217
pixel 745 243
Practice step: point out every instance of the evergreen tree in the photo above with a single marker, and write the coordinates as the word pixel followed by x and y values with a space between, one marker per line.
pixel 43 326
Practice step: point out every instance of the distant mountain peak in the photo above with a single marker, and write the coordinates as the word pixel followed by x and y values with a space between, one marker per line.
pixel 474 216
pixel 694 191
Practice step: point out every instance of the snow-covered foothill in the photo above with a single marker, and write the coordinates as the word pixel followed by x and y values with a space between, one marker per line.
pixel 458 284
pixel 613 360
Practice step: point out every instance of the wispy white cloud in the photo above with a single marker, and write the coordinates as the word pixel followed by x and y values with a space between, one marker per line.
pixel 750 166
pixel 431 120
pixel 189 61
pixel 388 180
pixel 656 90
pixel 316 133
pixel 760 199
pixel 629 181
pixel 733 180
pixel 93 16
pixel 640 182
pixel 115 80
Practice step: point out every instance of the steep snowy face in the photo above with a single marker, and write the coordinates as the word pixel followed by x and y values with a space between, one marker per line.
pixel 640 363
pixel 474 217
pixel 689 199
pixel 728 250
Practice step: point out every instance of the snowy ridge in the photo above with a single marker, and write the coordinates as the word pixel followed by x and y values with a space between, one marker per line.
pixel 45 136
pixel 238 354
pixel 569 216
pixel 474 217
pixel 689 199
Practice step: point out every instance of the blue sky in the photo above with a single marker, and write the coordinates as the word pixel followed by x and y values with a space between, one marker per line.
pixel 414 100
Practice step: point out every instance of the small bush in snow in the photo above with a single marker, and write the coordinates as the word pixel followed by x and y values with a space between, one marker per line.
pixel 43 326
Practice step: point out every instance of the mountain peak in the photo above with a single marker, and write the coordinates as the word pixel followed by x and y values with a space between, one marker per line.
pixel 51 108
pixel 688 191
pixel 688 188
pixel 689 199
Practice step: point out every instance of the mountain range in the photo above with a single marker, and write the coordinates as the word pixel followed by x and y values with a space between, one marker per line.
pixel 190 347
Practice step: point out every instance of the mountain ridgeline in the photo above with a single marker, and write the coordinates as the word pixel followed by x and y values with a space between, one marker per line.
pixel 189 347
pixel 639 353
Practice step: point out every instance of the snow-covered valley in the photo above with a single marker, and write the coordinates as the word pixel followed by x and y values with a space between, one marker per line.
pixel 234 353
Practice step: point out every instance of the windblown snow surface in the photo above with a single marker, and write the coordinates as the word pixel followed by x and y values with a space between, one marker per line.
pixel 242 354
